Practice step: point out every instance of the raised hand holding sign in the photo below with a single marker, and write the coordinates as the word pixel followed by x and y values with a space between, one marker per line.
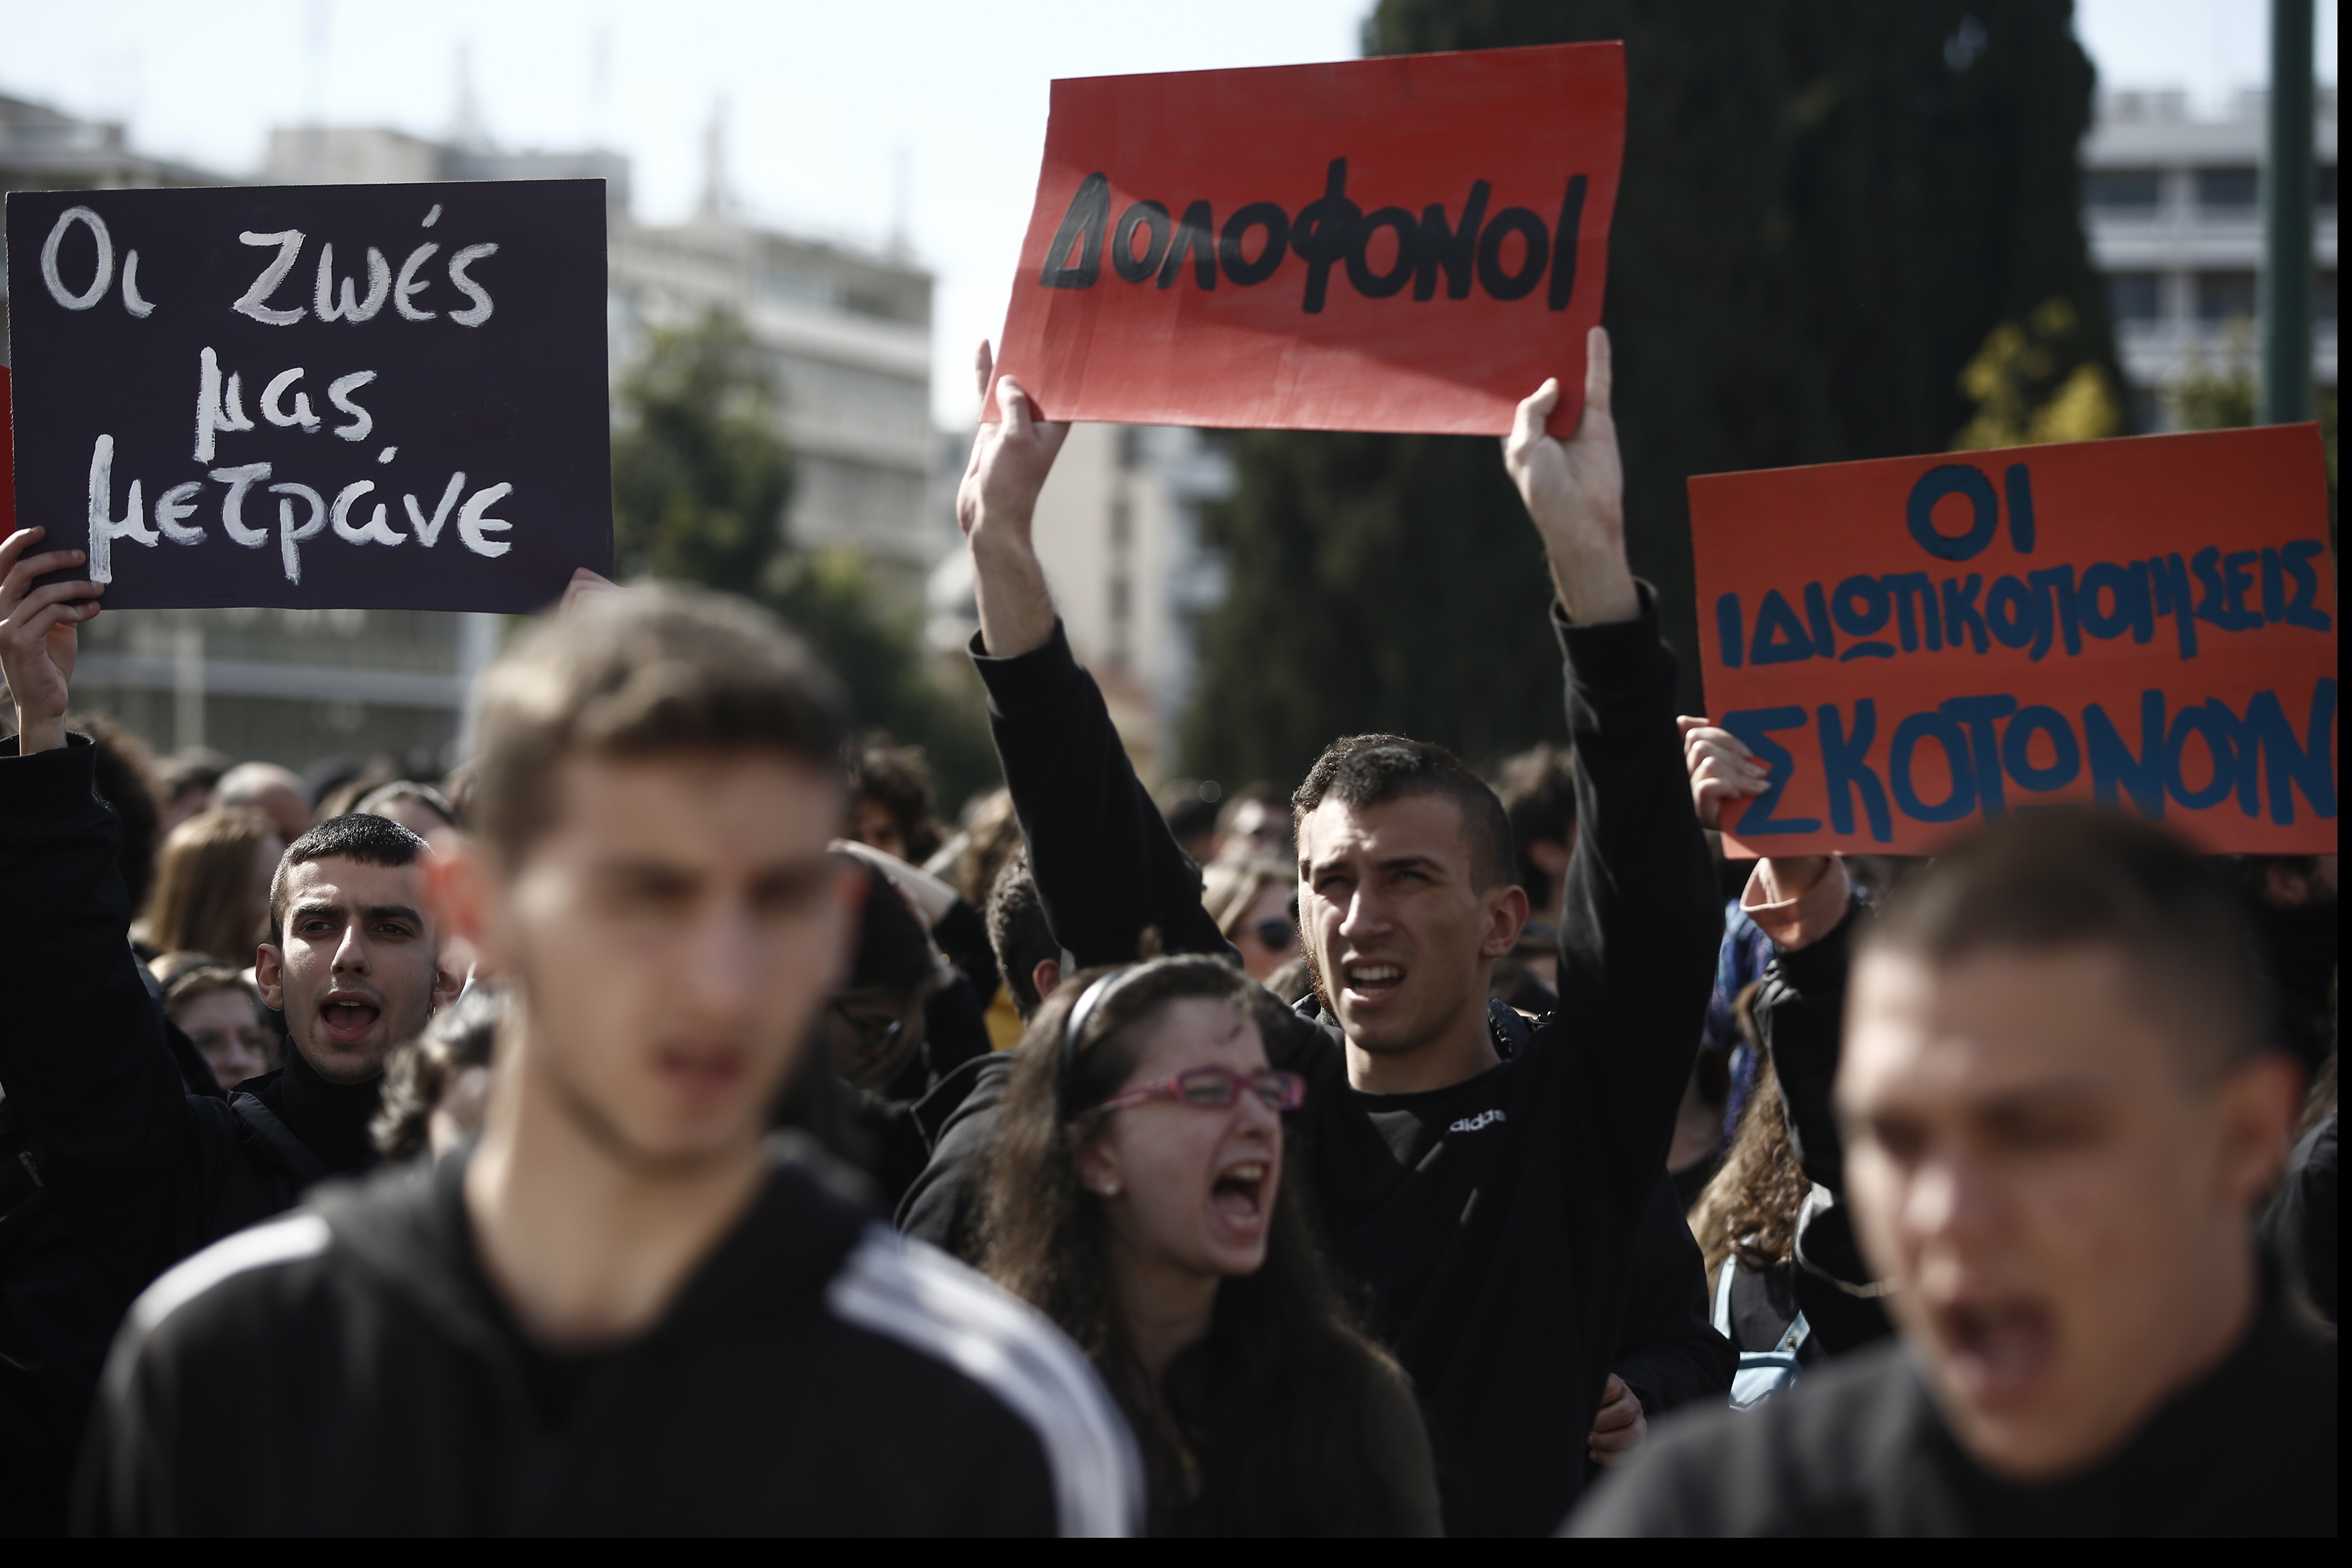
pixel 368 396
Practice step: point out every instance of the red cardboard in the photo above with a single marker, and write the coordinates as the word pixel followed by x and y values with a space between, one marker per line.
pixel 1917 644
pixel 1411 243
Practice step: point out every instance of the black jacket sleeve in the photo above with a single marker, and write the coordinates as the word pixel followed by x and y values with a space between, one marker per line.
pixel 1106 867
pixel 1643 921
pixel 82 1055
pixel 1800 1012
pixel 1668 1351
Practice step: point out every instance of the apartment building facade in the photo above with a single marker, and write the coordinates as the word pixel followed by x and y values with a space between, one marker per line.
pixel 2172 208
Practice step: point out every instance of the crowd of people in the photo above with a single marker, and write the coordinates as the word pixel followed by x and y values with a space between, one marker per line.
pixel 668 1123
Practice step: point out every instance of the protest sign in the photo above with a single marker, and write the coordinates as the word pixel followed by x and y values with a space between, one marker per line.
pixel 1919 644
pixel 324 396
pixel 1410 243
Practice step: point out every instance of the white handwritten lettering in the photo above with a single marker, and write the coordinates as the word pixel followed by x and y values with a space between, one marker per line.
pixel 290 535
pixel 104 528
pixel 254 301
pixel 472 525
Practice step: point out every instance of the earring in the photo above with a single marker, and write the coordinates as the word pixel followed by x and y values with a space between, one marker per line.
pixel 1109 1189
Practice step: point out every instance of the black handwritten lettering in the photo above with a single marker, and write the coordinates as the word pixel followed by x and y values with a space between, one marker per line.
pixel 1082 226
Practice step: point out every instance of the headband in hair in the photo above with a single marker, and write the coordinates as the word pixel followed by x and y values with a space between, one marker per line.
pixel 1084 1009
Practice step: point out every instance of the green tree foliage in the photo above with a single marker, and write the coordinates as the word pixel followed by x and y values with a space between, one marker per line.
pixel 1828 208
pixel 700 476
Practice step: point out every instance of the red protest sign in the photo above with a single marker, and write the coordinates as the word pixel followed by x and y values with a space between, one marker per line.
pixel 1407 244
pixel 1917 644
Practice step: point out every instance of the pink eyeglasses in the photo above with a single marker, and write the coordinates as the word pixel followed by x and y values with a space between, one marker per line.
pixel 1214 1089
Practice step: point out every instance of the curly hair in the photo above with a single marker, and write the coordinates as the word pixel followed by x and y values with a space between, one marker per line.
pixel 1749 1210
pixel 1263 1427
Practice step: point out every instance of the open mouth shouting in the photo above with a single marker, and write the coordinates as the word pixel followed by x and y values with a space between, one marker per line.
pixel 350 1016
pixel 1998 1351
pixel 1369 984
pixel 1241 1197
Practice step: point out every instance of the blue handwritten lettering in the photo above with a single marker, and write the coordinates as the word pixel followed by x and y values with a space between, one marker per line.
pixel 1753 726
pixel 1845 762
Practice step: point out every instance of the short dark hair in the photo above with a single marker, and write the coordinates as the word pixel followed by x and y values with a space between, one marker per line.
pixel 2071 878
pixel 370 840
pixel 1017 933
pixel 1538 794
pixel 651 672
pixel 898 779
pixel 1371 769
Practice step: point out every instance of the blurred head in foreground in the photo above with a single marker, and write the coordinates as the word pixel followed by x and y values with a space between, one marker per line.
pixel 2059 1119
pixel 658 775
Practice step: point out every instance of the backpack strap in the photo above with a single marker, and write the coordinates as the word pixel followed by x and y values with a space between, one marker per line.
pixel 291 1151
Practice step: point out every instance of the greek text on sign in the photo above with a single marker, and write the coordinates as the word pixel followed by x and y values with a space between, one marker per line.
pixel 354 396
pixel 1919 644
pixel 1409 243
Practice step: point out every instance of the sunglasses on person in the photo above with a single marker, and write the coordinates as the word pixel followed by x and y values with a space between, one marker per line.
pixel 1276 936
pixel 1214 1089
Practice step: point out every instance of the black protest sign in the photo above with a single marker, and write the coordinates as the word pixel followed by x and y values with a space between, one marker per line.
pixel 321 397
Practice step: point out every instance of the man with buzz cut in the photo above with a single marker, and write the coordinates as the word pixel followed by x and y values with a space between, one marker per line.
pixel 622 1310
pixel 1493 1186
pixel 2058 1118
pixel 123 1169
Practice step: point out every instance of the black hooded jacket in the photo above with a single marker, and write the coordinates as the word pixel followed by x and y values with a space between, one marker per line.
pixel 1514 1235
pixel 347 1370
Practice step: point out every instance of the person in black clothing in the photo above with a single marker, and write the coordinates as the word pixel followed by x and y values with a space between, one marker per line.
pixel 112 1118
pixel 1496 1188
pixel 1140 1195
pixel 622 1311
pixel 2059 1115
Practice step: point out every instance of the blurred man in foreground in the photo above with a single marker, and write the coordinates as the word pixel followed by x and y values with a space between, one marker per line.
pixel 621 1312
pixel 2059 1119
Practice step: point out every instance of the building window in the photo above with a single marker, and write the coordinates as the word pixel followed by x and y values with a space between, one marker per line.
pixel 2225 296
pixel 2328 187
pixel 1131 446
pixel 2322 300
pixel 2228 190
pixel 1121 598
pixel 1122 523
pixel 2135 297
pixel 2124 192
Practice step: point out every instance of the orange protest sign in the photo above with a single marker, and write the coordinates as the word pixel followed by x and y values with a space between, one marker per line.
pixel 1917 644
pixel 1410 244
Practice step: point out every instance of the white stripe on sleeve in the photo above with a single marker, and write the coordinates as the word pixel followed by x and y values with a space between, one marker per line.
pixel 297 1236
pixel 919 1296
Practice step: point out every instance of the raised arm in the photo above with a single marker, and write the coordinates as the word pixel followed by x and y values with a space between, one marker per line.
pixel 82 1049
pixel 1106 865
pixel 1641 923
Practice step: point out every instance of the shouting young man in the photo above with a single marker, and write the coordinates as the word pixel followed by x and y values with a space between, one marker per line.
pixel 2059 1119
pixel 123 1169
pixel 1498 1189
pixel 622 1311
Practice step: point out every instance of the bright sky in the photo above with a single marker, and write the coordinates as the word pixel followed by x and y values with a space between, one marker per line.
pixel 833 109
